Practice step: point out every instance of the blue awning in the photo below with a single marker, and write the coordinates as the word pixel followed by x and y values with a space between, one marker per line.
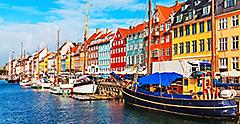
pixel 163 79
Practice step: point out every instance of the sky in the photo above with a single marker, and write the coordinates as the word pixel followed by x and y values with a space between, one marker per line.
pixel 35 22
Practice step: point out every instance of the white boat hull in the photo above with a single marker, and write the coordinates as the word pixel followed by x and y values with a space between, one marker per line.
pixel 85 89
pixel 46 85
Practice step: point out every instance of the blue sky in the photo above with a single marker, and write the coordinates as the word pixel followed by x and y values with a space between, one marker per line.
pixel 35 22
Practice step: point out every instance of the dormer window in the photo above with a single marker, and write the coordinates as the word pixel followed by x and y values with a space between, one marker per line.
pixel 206 10
pixel 184 7
pixel 229 3
pixel 168 25
pixel 197 2
pixel 179 18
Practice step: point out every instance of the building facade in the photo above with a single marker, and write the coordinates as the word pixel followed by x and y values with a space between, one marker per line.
pixel 227 34
pixel 191 39
pixel 135 46
pixel 161 44
pixel 92 53
pixel 104 54
pixel 118 50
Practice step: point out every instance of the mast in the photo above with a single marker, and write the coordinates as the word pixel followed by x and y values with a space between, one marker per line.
pixel 12 65
pixel 38 64
pixel 85 38
pixel 24 64
pixel 58 55
pixel 21 62
pixel 214 57
pixel 149 36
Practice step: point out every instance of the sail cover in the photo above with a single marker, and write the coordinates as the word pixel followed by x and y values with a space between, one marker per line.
pixel 163 79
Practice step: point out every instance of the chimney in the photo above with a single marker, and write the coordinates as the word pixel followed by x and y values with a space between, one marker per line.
pixel 176 2
pixel 108 30
pixel 97 30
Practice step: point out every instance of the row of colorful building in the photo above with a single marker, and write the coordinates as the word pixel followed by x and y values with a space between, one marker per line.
pixel 179 32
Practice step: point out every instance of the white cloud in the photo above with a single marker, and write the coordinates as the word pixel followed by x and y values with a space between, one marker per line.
pixel 71 24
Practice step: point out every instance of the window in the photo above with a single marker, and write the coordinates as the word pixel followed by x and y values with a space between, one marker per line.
pixel 222 23
pixel 179 18
pixel 235 63
pixel 223 62
pixel 235 40
pixel 209 25
pixel 181 48
pixel 168 52
pixel 175 33
pixel 168 38
pixel 235 21
pixel 162 39
pixel 194 46
pixel 190 15
pixel 181 31
pixel 188 47
pixel 194 28
pixel 162 27
pixel 156 41
pixel 229 3
pixel 206 10
pixel 168 26
pixel 163 52
pixel 175 49
pixel 187 29
pixel 152 41
pixel 222 44
pixel 201 26
pixel 201 45
pixel 209 44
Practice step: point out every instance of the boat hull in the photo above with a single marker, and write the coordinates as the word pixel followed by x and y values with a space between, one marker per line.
pixel 199 108
pixel 85 89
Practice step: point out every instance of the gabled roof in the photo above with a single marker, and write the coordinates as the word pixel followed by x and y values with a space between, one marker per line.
pixel 138 28
pixel 75 48
pixel 93 37
pixel 109 35
pixel 123 32
pixel 165 11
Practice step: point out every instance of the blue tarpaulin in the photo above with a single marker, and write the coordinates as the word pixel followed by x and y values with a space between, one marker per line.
pixel 163 79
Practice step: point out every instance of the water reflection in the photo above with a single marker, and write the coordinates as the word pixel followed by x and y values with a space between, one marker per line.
pixel 20 105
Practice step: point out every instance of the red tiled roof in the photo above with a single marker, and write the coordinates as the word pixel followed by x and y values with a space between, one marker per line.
pixel 138 28
pixel 104 35
pixel 104 41
pixel 94 36
pixel 165 11
pixel 123 32
pixel 75 48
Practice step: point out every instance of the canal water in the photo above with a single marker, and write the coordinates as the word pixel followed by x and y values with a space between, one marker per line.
pixel 26 106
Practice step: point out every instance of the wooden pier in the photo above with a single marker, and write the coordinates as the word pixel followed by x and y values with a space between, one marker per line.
pixel 106 91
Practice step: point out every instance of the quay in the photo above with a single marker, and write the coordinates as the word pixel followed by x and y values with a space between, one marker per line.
pixel 106 91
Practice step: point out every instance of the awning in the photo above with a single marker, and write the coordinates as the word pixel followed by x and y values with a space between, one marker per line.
pixel 163 79
pixel 233 73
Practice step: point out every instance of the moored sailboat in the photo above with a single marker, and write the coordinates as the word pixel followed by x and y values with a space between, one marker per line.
pixel 172 93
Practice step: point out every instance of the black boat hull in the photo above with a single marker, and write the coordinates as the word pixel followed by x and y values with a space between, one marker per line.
pixel 199 108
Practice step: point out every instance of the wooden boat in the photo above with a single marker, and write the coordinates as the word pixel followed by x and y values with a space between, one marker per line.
pixel 202 103
pixel 85 85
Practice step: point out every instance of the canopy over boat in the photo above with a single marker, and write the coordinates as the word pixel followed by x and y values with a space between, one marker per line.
pixel 163 79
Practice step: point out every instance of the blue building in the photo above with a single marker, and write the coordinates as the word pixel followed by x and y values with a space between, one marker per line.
pixel 104 54
pixel 136 47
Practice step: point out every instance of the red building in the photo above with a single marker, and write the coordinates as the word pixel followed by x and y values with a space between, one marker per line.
pixel 92 52
pixel 161 45
pixel 118 50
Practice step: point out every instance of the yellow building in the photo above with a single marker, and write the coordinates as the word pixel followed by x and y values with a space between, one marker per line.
pixel 227 37
pixel 191 29
pixel 69 59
